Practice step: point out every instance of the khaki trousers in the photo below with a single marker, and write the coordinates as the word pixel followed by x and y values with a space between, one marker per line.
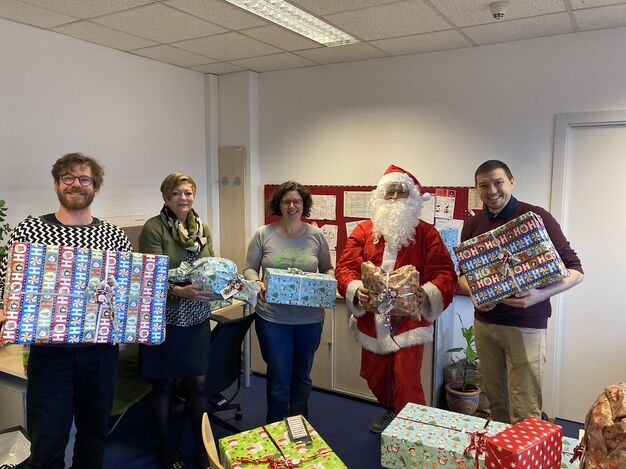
pixel 511 362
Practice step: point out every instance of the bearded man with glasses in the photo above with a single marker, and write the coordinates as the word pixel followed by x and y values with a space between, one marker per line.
pixel 70 381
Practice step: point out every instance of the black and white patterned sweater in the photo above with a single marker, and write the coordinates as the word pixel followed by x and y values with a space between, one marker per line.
pixel 47 230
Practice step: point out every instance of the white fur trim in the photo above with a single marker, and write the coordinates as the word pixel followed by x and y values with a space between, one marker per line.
pixel 390 256
pixel 384 343
pixel 396 178
pixel 353 309
pixel 436 302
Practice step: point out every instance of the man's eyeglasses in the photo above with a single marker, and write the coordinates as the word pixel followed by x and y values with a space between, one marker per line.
pixel 68 180
pixel 287 203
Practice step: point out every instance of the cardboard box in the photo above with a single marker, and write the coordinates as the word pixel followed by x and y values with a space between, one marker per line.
pixel 514 257
pixel 270 446
pixel 530 443
pixel 294 287
pixel 424 437
pixel 61 294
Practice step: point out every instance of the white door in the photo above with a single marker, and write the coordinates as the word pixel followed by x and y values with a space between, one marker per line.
pixel 590 343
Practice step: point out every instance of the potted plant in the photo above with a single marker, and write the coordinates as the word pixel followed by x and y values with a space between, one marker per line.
pixel 5 229
pixel 463 394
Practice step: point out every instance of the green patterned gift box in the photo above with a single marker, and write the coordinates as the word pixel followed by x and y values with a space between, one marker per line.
pixel 270 446
pixel 421 437
pixel 295 287
pixel 568 452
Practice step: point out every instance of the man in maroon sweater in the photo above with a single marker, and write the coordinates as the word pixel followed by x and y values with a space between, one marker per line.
pixel 510 335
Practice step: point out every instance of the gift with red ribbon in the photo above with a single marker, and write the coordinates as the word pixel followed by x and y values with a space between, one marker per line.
pixel 512 258
pixel 422 436
pixel 269 446
pixel 532 443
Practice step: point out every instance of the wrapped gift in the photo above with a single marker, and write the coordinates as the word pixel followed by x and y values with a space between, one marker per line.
pixel 421 437
pixel 391 292
pixel 217 276
pixel 530 443
pixel 514 257
pixel 567 453
pixel 295 287
pixel 270 446
pixel 61 294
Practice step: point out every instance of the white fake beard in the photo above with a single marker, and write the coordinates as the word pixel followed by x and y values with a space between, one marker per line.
pixel 395 220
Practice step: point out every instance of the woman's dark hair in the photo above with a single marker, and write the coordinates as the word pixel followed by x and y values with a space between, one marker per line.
pixel 277 196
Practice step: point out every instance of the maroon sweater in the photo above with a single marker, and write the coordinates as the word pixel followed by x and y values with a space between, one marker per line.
pixel 535 316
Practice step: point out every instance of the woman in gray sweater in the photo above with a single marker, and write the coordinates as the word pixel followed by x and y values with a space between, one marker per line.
pixel 288 335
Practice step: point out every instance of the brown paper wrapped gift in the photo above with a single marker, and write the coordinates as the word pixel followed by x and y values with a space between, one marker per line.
pixel 392 292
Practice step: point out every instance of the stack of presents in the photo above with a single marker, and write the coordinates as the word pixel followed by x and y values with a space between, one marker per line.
pixel 424 437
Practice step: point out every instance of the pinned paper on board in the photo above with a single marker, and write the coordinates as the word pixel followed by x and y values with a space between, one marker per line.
pixel 330 233
pixel 356 204
pixel 444 203
pixel 450 231
pixel 324 207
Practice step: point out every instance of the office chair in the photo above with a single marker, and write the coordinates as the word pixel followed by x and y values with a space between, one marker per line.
pixel 209 443
pixel 225 366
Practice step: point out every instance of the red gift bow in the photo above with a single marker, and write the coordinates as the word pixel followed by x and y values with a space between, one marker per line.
pixel 478 442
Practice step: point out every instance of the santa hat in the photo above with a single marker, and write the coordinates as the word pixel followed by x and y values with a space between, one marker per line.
pixel 396 175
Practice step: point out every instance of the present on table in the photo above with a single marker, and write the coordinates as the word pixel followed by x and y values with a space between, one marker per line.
pixel 392 293
pixel 531 443
pixel 270 446
pixel 217 276
pixel 62 294
pixel 295 287
pixel 421 436
pixel 514 257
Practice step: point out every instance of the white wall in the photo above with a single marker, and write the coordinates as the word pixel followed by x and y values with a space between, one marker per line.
pixel 140 118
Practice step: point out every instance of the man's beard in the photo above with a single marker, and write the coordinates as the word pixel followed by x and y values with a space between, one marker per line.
pixel 75 204
pixel 395 220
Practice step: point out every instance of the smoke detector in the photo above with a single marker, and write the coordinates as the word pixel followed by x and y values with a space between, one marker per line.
pixel 498 9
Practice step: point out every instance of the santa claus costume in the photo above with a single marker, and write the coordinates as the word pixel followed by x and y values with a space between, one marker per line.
pixel 391 357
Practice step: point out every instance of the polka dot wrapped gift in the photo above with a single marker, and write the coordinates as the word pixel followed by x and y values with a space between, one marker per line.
pixel 530 444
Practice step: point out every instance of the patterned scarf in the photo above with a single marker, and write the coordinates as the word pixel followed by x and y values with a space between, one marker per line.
pixel 191 238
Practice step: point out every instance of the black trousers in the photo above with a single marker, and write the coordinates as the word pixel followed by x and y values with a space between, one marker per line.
pixel 66 383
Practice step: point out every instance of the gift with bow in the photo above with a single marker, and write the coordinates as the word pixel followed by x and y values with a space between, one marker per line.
pixel 392 293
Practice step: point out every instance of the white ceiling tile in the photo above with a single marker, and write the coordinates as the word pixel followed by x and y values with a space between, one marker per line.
pixel 219 12
pixel 427 42
pixel 526 28
pixel 159 23
pixel 25 13
pixel 326 7
pixel 218 68
pixel 88 8
pixel 98 34
pixel 172 55
pixel 599 18
pixel 593 3
pixel 274 62
pixel 280 37
pixel 228 46
pixel 473 12
pixel 349 53
pixel 385 21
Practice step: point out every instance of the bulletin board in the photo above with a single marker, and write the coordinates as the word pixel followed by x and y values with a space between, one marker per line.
pixel 450 207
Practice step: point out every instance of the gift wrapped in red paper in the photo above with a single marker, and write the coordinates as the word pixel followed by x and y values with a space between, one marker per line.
pixel 531 443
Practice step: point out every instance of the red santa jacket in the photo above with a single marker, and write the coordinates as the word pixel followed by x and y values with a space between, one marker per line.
pixel 437 277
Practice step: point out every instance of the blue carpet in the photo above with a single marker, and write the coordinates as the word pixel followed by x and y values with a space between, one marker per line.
pixel 342 422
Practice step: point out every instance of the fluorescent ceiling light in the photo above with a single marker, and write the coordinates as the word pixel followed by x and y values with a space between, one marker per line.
pixel 297 20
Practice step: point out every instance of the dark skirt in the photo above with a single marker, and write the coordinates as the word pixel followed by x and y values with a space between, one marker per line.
pixel 184 353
